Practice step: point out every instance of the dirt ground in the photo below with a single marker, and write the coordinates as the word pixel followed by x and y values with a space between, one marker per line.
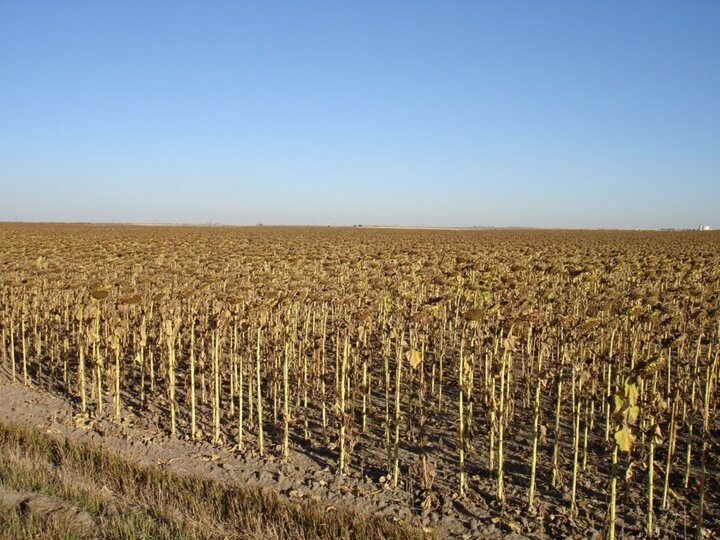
pixel 312 474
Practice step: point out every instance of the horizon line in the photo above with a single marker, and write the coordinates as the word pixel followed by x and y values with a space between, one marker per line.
pixel 355 226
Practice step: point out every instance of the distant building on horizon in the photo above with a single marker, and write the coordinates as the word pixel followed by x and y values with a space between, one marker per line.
pixel 704 228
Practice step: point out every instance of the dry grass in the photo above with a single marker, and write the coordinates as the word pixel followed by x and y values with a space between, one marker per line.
pixel 127 501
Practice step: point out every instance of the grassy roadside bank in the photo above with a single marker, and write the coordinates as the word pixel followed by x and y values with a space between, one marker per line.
pixel 79 490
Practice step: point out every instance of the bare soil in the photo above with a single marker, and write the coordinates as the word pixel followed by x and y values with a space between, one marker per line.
pixel 311 473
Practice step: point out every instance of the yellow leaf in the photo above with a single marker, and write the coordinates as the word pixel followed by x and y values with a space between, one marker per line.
pixel 415 358
pixel 631 393
pixel 619 401
pixel 632 414
pixel 625 439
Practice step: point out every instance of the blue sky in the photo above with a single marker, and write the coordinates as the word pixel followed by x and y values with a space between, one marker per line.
pixel 543 114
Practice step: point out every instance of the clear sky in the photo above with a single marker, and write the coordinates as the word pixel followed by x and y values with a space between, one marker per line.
pixel 431 113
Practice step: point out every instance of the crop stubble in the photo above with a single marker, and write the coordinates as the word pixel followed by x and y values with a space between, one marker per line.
pixel 537 376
